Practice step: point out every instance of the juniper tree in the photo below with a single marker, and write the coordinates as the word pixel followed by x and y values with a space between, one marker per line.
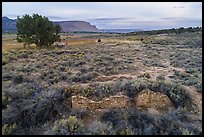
pixel 38 30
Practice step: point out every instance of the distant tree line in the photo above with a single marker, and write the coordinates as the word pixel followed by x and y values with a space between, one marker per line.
pixel 173 30
pixel 8 32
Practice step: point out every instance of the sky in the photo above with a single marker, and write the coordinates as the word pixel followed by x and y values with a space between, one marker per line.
pixel 114 15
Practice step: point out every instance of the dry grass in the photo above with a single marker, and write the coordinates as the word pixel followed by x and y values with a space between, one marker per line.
pixel 9 43
pixel 7 47
pixel 79 41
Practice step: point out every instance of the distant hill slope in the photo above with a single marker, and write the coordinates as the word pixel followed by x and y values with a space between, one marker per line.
pixel 67 26
pixel 70 26
pixel 8 24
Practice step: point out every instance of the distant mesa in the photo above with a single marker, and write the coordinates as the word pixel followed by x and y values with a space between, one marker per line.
pixel 71 26
pixel 9 25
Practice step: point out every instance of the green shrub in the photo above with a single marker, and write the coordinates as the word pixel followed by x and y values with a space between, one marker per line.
pixel 8 129
pixel 88 76
pixel 146 75
pixel 103 90
pixel 126 131
pixel 101 128
pixel 132 88
pixel 6 76
pixel 23 55
pixel 190 70
pixel 5 100
pixel 88 92
pixel 4 61
pixel 178 95
pixel 186 132
pixel 70 126
pixel 17 79
pixel 160 78
pixel 63 76
pixel 181 74
pixel 199 86
pixel 112 115
pixel 179 120
pixel 191 81
pixel 75 78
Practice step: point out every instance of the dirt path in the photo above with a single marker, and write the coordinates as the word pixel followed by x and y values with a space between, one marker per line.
pixel 196 97
pixel 166 71
pixel 170 69
pixel 103 78
pixel 167 63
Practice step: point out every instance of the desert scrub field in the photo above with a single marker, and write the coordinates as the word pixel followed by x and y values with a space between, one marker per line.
pixel 105 87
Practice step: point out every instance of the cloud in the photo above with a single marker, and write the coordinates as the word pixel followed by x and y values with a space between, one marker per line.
pixel 114 14
pixel 184 19
pixel 70 14
pixel 108 19
pixel 56 18
pixel 151 24
pixel 178 6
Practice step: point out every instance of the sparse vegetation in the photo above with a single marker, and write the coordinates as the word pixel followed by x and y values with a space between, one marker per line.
pixel 38 85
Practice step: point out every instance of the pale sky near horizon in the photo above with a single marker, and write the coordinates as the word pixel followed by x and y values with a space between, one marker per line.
pixel 115 15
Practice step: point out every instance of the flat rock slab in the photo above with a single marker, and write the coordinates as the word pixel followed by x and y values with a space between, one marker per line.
pixel 117 101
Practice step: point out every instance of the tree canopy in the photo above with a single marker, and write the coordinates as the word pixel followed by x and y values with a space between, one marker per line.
pixel 38 30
